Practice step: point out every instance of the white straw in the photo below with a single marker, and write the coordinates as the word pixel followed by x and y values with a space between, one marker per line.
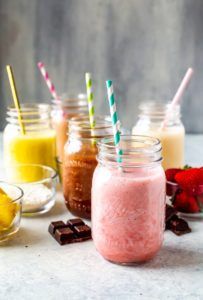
pixel 178 96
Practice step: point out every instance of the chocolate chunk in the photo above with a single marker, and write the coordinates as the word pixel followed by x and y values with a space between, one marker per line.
pixel 178 226
pixel 174 223
pixel 170 212
pixel 64 236
pixel 55 225
pixel 75 222
pixel 74 231
pixel 82 231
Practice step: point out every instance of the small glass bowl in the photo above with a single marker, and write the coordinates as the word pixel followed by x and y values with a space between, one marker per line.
pixel 172 188
pixel 38 183
pixel 10 211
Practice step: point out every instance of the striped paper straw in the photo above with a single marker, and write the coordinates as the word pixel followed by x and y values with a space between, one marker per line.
pixel 48 81
pixel 177 98
pixel 182 87
pixel 90 99
pixel 114 118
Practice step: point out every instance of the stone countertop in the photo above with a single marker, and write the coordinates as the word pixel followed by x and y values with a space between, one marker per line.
pixel 34 266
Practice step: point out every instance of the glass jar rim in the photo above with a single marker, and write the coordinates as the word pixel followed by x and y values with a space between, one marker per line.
pixel 149 147
pixel 153 103
pixel 30 106
pixel 158 107
pixel 157 112
pixel 70 100
pixel 31 113
pixel 82 122
pixel 80 95
pixel 53 174
pixel 13 186
pixel 28 109
pixel 109 142
pixel 79 127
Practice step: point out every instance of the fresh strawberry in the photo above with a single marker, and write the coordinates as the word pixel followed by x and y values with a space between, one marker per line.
pixel 185 203
pixel 190 179
pixel 200 173
pixel 171 173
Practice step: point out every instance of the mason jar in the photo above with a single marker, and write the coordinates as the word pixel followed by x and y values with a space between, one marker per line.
pixel 163 122
pixel 80 161
pixel 128 200
pixel 37 145
pixel 69 106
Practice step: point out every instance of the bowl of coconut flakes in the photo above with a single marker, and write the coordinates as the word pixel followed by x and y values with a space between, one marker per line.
pixel 38 183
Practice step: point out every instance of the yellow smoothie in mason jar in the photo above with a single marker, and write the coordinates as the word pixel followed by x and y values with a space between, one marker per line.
pixel 36 146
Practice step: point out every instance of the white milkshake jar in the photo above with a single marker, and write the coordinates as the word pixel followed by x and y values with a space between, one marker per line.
pixel 172 134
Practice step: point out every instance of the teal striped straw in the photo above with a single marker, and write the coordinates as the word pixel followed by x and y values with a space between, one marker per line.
pixel 114 119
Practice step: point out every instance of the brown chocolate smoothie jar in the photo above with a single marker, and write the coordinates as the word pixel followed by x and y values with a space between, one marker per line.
pixel 79 162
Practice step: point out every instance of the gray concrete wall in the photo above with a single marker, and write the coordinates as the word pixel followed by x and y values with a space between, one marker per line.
pixel 145 46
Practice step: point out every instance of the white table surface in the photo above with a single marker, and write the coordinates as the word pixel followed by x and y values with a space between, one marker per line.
pixel 34 266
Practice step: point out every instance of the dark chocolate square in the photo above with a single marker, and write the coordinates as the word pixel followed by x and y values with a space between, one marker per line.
pixel 74 231
pixel 178 226
pixel 64 236
pixel 82 231
pixel 75 222
pixel 55 225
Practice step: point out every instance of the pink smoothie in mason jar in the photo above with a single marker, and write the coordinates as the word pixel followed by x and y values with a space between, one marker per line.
pixel 128 202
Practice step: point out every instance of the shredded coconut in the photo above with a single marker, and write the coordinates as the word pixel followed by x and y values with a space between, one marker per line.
pixel 35 196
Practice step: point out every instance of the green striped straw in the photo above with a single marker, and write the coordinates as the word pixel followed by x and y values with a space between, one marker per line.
pixel 90 99
pixel 114 118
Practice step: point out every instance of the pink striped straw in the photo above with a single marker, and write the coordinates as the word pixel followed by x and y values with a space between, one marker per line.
pixel 178 96
pixel 48 81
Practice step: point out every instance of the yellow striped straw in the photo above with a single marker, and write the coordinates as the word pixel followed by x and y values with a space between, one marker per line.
pixel 15 97
pixel 90 99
